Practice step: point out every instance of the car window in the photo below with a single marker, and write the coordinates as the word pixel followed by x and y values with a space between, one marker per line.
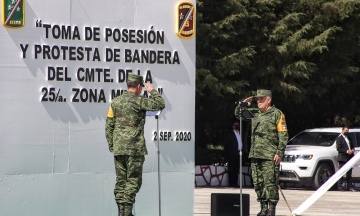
pixel 352 139
pixel 314 138
pixel 357 136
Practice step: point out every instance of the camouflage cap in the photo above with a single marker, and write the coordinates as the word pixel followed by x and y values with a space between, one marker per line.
pixel 263 93
pixel 136 78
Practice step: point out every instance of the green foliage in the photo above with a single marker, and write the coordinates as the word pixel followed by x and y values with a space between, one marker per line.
pixel 209 156
pixel 306 51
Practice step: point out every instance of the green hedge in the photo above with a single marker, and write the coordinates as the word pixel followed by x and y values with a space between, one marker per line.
pixel 215 157
pixel 209 157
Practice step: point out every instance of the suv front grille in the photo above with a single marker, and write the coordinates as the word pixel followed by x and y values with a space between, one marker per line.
pixel 289 158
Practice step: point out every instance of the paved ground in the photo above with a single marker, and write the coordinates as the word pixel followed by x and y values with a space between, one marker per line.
pixel 331 203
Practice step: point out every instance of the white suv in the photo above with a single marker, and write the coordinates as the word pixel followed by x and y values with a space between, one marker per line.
pixel 311 156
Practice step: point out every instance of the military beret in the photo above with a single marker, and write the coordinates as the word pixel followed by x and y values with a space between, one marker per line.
pixel 136 78
pixel 263 93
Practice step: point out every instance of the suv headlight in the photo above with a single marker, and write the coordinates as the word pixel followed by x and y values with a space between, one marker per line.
pixel 304 157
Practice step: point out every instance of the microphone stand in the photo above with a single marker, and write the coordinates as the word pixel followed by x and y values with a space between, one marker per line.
pixel 156 114
pixel 249 115
pixel 158 153
pixel 240 154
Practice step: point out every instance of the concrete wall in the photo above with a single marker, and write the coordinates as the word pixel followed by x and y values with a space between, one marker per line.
pixel 217 176
pixel 54 158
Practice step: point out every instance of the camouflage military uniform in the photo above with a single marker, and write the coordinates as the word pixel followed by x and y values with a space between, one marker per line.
pixel 125 135
pixel 269 138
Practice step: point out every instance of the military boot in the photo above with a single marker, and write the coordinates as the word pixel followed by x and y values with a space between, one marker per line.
pixel 271 211
pixel 120 209
pixel 264 209
pixel 128 209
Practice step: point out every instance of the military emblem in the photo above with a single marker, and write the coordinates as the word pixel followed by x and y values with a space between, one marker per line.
pixel 282 124
pixel 186 20
pixel 13 14
pixel 110 113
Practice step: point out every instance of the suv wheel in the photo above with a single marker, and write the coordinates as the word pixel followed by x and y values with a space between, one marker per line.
pixel 322 174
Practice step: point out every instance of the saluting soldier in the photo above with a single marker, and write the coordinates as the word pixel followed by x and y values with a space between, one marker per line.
pixel 125 136
pixel 268 141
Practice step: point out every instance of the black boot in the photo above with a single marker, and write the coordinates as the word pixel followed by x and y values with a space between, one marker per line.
pixel 339 186
pixel 264 208
pixel 128 209
pixel 120 209
pixel 271 211
pixel 349 186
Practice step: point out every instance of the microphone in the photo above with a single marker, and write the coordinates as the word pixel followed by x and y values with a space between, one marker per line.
pixel 243 103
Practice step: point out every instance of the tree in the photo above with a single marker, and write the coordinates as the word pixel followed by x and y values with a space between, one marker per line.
pixel 307 52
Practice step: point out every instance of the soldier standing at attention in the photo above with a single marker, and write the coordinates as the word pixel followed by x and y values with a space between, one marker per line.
pixel 268 141
pixel 125 136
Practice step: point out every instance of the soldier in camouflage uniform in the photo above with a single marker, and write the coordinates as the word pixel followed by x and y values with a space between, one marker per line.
pixel 125 136
pixel 268 141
